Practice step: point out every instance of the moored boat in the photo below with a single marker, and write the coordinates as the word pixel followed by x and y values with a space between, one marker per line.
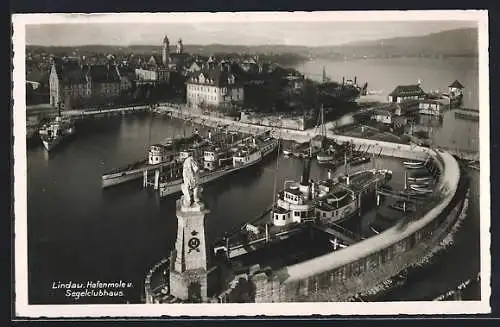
pixel 404 206
pixel 421 189
pixel 319 205
pixel 414 164
pixel 56 131
pixel 158 156
pixel 218 163
pixel 359 160
pixel 326 156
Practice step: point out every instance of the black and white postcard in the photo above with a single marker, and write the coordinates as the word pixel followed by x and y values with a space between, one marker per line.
pixel 209 164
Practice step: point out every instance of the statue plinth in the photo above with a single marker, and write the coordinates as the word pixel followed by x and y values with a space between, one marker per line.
pixel 194 207
pixel 188 273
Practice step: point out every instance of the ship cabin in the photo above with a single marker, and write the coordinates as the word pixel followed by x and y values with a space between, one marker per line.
pixel 214 157
pixel 335 206
pixel 246 155
pixel 281 217
pixel 294 205
pixel 159 153
pixel 211 159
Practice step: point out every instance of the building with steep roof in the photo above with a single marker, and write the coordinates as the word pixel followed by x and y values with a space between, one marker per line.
pixel 215 87
pixel 72 79
pixel 406 92
pixel 456 89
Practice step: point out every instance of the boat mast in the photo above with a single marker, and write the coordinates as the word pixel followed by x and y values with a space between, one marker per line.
pixel 274 187
pixel 406 180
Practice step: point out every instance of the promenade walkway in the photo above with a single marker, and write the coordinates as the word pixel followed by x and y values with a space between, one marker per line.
pixel 296 135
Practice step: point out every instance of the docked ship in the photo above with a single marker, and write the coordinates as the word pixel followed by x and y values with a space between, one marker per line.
pixel 159 155
pixel 56 131
pixel 320 204
pixel 218 162
pixel 162 155
pixel 326 155
pixel 31 128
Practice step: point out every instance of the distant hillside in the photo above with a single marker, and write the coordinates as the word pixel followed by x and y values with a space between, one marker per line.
pixel 459 42
pixel 190 48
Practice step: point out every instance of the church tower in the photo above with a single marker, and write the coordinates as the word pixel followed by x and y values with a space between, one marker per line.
pixel 180 47
pixel 165 51
pixel 189 266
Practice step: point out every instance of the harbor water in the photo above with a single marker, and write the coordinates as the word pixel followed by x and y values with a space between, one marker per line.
pixel 79 233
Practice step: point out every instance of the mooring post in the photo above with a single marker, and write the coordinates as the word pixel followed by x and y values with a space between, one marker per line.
pixel 145 179
pixel 359 205
pixel 157 178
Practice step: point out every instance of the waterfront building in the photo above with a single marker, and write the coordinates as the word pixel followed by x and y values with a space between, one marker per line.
pixel 455 89
pixel 406 92
pixel 72 79
pixel 431 107
pixel 213 88
pixel 395 112
pixel 383 116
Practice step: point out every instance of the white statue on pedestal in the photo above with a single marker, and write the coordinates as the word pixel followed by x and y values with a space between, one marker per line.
pixel 190 187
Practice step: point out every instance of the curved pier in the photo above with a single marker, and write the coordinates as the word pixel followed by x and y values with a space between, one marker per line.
pixel 340 275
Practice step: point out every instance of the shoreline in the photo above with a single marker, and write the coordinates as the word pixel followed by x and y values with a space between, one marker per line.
pixel 284 133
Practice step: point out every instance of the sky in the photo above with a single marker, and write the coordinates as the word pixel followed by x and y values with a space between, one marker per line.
pixel 231 33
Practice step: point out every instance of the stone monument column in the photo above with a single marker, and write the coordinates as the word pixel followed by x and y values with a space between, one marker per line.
pixel 189 263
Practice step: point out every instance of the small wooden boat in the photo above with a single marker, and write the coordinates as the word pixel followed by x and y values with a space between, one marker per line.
pixel 325 156
pixel 413 164
pixel 421 189
pixel 359 160
pixel 420 182
pixel 403 206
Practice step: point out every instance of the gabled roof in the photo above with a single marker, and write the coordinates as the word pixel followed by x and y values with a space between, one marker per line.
pixel 75 73
pixel 215 77
pixel 103 74
pixel 382 112
pixel 456 84
pixel 407 90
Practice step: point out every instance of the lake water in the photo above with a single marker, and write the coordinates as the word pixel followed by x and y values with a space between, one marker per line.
pixel 78 232
pixel 384 75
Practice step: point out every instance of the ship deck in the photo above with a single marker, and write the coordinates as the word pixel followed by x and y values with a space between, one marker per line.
pixel 303 245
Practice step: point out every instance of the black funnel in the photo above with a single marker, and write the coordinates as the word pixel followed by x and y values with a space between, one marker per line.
pixel 306 172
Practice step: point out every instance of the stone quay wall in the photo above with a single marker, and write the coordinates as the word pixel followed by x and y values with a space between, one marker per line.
pixel 334 276
pixel 340 275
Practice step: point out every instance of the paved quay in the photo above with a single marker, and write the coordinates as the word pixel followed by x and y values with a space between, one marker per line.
pixel 377 147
